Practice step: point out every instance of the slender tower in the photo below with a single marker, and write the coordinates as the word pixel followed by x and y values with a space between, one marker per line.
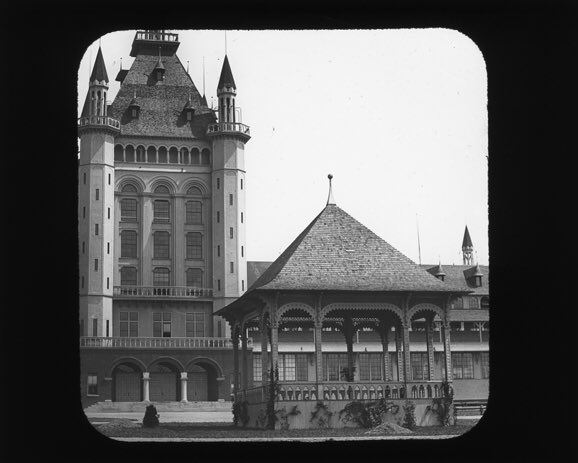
pixel 96 206
pixel 228 191
pixel 468 248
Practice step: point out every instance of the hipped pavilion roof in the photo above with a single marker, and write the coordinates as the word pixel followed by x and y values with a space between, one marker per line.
pixel 335 252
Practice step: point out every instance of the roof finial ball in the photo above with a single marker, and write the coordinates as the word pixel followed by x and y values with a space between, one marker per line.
pixel 330 199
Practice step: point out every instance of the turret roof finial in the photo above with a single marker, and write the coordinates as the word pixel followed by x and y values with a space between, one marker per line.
pixel 330 199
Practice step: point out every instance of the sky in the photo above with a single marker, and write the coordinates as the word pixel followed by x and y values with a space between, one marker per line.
pixel 398 117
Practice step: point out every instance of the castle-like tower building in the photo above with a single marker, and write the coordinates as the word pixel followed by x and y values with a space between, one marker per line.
pixel 161 221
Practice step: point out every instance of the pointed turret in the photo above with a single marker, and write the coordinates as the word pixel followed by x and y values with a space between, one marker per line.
pixel 438 272
pixel 226 79
pixel 99 70
pixel 467 248
pixel 159 69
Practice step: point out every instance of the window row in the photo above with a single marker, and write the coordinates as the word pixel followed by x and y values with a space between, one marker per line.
pixel 162 324
pixel 162 155
pixel 161 245
pixel 471 302
pixel 161 277
pixel 161 211
pixel 294 367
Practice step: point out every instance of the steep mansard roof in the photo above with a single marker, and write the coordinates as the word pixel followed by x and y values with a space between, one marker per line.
pixel 161 102
pixel 336 252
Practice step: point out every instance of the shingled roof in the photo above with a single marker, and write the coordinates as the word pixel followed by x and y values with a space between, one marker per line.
pixel 336 252
pixel 161 102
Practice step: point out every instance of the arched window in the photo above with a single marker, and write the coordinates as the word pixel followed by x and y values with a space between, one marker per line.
pixel 185 156
pixel 151 154
pixel 161 276
pixel 194 191
pixel 118 153
pixel 194 246
pixel 140 153
pixel 173 155
pixel 129 153
pixel 485 302
pixel 128 243
pixel 162 190
pixel 205 157
pixel 162 155
pixel 128 276
pixel 194 212
pixel 161 245
pixel 195 277
pixel 195 156
pixel 161 211
pixel 128 188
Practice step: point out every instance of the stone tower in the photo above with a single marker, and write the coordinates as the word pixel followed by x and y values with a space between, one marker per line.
pixel 97 132
pixel 467 248
pixel 229 136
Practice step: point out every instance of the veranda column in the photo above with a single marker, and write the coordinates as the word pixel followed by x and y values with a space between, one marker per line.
pixel 406 356
pixel 447 351
pixel 264 354
pixel 318 360
pixel 274 345
pixel 385 349
pixel 145 386
pixel 430 349
pixel 398 350
pixel 184 381
pixel 235 338
pixel 244 372
pixel 349 331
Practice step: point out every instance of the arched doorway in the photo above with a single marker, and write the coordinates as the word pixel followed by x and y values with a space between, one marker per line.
pixel 164 385
pixel 202 384
pixel 127 383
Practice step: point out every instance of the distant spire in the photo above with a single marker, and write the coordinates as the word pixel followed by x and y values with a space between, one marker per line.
pixel 330 199
pixel 187 66
pixel 204 77
pixel 121 64
pixel 467 248
pixel 225 43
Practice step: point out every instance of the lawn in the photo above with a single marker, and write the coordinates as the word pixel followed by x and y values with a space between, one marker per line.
pixel 227 431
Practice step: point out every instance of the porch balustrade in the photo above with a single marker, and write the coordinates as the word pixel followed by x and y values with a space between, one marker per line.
pixel 159 343
pixel 99 121
pixel 161 291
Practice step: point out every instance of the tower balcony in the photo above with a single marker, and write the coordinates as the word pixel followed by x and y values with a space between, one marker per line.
pixel 149 40
pixel 98 122
pixel 229 128
pixel 161 292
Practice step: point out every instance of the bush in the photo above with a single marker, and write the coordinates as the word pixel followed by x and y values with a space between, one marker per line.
pixel 367 414
pixel 321 415
pixel 240 412
pixel 151 418
pixel 409 417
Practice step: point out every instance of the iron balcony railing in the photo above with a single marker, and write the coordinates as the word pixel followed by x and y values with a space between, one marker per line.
pixel 161 291
pixel 159 343
pixel 157 36
pixel 103 121
pixel 229 127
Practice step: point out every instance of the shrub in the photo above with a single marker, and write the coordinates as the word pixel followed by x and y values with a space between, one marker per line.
pixel 283 416
pixel 321 415
pixel 240 412
pixel 273 391
pixel 367 414
pixel 151 418
pixel 409 415
pixel 444 407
